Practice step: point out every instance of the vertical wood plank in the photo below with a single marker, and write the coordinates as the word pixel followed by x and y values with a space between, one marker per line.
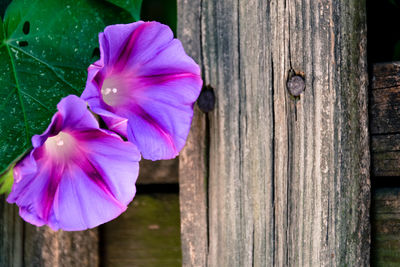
pixel 288 179
pixel 193 159
pixel 193 195
pixel 22 244
pixel 47 248
pixel 331 143
pixel 11 235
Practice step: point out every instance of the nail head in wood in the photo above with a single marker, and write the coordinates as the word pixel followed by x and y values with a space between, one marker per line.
pixel 206 100
pixel 296 85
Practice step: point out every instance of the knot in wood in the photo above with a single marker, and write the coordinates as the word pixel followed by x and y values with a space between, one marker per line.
pixel 206 100
pixel 296 85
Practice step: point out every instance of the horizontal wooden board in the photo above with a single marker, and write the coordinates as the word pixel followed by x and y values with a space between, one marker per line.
pixel 159 172
pixel 147 234
pixel 386 227
pixel 385 75
pixel 385 119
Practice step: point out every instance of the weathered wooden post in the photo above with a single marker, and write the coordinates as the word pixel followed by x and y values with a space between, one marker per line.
pixel 22 244
pixel 268 179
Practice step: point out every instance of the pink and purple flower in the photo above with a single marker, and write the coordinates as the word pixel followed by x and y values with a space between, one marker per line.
pixel 77 176
pixel 144 87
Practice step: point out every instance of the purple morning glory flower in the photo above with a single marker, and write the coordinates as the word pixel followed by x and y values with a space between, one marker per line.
pixel 144 87
pixel 77 176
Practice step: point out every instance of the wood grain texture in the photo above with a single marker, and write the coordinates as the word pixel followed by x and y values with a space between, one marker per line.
pixel 385 155
pixel 385 119
pixel 146 235
pixel 385 108
pixel 288 180
pixel 385 75
pixel 193 194
pixel 22 244
pixel 193 159
pixel 386 227
pixel 47 248
pixel 11 235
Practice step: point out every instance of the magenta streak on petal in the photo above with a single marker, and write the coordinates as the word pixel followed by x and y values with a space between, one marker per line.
pixel 39 153
pixel 56 182
pixel 118 124
pixel 87 167
pixel 55 126
pixel 128 49
pixel 153 122
pixel 150 80
pixel 26 186
pixel 51 188
pixel 98 79
pixel 146 77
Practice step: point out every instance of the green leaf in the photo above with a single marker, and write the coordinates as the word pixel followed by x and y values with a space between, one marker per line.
pixel 393 2
pixel 3 6
pixel 132 6
pixel 6 182
pixel 45 49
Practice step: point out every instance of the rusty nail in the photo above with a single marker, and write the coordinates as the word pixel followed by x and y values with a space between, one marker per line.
pixel 296 85
pixel 206 100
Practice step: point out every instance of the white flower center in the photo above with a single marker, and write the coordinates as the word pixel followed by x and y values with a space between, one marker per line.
pixel 114 91
pixel 60 146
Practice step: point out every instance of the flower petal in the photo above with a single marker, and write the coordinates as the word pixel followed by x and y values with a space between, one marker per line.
pixel 116 161
pixel 86 200
pixel 73 112
pixel 114 39
pixel 90 184
pixel 155 85
pixel 171 60
pixel 159 126
pixel 34 193
pixel 145 42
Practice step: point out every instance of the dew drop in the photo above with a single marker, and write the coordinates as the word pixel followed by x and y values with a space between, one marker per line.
pixel 60 142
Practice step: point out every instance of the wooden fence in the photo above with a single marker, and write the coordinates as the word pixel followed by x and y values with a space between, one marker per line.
pixel 287 180
pixel 266 178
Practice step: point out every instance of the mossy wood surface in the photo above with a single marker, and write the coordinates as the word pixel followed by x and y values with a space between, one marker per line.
pixel 284 181
pixel 386 227
pixel 146 235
